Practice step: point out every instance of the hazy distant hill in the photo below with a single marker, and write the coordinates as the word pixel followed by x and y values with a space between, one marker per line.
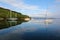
pixel 42 18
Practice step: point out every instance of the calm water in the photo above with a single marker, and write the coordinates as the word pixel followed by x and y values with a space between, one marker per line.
pixel 35 29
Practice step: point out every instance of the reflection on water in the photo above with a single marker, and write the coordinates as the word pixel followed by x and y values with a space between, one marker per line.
pixel 35 29
pixel 48 21
pixel 42 21
pixel 6 24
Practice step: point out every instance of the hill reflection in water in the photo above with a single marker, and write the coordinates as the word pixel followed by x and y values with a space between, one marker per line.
pixel 6 24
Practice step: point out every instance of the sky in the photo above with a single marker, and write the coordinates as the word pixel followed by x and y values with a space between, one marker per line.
pixel 33 8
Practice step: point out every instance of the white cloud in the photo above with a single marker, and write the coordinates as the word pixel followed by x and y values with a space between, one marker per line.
pixel 56 8
pixel 31 10
pixel 20 4
pixel 42 13
pixel 57 0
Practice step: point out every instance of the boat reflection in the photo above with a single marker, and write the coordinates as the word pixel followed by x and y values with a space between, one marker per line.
pixel 48 21
pixel 6 24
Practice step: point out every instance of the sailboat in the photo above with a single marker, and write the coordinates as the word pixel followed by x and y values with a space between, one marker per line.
pixel 47 20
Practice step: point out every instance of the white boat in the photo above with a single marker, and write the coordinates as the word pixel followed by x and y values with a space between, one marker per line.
pixel 47 21
pixel 12 19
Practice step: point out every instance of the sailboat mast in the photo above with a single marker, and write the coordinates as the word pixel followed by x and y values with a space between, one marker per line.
pixel 46 14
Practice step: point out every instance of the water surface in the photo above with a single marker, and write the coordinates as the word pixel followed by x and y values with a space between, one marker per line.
pixel 35 29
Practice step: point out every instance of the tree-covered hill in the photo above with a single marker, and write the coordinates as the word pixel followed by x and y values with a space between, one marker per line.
pixel 6 13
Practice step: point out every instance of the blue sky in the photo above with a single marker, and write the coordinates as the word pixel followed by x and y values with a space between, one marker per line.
pixel 34 8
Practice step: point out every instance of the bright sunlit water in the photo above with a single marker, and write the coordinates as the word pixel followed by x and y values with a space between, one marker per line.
pixel 35 29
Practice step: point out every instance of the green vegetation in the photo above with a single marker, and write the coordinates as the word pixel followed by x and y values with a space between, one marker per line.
pixel 7 24
pixel 6 13
pixel 8 18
